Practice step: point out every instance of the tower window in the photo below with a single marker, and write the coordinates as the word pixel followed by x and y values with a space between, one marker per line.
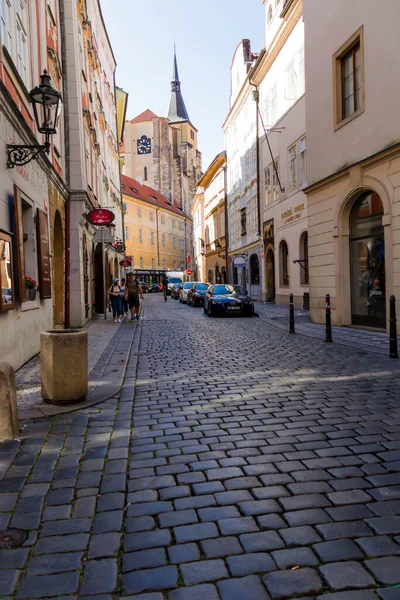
pixel 145 174
pixel 192 134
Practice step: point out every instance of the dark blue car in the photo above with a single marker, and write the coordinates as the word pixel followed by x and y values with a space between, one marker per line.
pixel 195 295
pixel 228 300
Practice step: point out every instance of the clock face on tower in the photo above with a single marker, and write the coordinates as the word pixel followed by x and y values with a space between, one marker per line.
pixel 144 145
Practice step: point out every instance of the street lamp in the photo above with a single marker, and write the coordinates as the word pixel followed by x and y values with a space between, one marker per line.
pixel 218 248
pixel 46 103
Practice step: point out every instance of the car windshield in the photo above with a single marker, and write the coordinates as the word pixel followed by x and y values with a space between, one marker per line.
pixel 202 286
pixel 222 290
pixel 187 285
pixel 173 280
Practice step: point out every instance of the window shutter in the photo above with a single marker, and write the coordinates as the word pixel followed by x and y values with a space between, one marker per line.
pixel 44 255
pixel 19 242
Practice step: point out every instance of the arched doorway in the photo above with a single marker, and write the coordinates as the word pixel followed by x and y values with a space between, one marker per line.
pixel 58 278
pixel 116 267
pixel 98 280
pixel 223 275
pixel 284 264
pixel 254 270
pixel 270 265
pixel 209 276
pixel 217 275
pixel 367 262
pixel 304 278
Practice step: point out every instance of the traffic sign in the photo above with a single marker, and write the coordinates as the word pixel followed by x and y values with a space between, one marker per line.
pixel 189 272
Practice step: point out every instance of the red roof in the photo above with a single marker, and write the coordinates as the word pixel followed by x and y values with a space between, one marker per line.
pixel 131 187
pixel 147 115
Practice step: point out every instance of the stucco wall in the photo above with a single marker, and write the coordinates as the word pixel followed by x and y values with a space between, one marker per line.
pixel 328 25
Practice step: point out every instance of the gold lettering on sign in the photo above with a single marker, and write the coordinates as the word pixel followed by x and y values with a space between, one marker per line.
pixel 299 208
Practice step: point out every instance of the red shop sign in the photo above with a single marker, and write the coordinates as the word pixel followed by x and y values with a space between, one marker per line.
pixel 189 272
pixel 100 216
pixel 125 263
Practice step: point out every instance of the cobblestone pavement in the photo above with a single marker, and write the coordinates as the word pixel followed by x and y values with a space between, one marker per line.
pixel 250 464
pixel 376 342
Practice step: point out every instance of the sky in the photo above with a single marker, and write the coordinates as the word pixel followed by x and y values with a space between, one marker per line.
pixel 206 32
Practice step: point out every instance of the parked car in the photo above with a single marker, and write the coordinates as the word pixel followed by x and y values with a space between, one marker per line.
pixel 228 300
pixel 175 290
pixel 144 286
pixel 184 290
pixel 153 288
pixel 196 294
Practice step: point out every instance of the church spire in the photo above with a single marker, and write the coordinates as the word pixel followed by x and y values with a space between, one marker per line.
pixel 177 109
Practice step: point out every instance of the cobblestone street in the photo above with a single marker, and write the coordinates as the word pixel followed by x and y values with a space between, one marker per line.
pixel 238 462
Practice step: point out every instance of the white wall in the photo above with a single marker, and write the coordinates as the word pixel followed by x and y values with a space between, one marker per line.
pixel 328 25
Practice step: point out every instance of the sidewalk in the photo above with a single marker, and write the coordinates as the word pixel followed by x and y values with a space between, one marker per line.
pixel 109 346
pixel 365 341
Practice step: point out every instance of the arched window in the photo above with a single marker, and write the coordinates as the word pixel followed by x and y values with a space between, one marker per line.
pixel 145 174
pixel 269 14
pixel 254 270
pixel 210 276
pixel 284 263
pixel 304 258
pixel 367 262
pixel 277 3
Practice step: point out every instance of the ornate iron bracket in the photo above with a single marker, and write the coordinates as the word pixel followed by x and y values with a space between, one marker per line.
pixel 22 155
pixel 301 261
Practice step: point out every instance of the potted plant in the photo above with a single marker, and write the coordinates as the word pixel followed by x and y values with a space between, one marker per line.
pixel 31 287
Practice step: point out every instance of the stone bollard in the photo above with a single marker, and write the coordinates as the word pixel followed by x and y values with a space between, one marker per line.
pixel 64 365
pixel 8 403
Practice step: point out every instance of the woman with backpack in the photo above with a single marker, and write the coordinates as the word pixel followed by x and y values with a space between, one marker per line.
pixel 115 299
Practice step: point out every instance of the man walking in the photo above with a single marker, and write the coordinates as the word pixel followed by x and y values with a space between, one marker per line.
pixel 132 293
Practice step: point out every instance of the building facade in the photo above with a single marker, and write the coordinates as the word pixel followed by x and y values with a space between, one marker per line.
pixel 33 195
pixel 279 76
pixel 213 186
pixel 158 234
pixel 162 152
pixel 353 145
pixel 93 159
pixel 199 259
pixel 241 141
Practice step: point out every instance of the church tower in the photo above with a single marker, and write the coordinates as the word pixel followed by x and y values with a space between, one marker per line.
pixel 177 114
pixel 186 158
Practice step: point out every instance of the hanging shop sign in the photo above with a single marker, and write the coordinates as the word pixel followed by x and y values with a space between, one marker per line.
pixel 100 217
pixel 126 263
pixel 119 247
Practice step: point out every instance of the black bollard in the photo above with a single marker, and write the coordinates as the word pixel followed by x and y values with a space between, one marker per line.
pixel 291 314
pixel 393 329
pixel 328 324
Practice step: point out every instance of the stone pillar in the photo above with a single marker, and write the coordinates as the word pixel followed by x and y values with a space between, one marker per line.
pixel 8 403
pixel 64 365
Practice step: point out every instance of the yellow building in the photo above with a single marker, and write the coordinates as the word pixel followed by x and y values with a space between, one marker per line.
pixel 212 185
pixel 158 233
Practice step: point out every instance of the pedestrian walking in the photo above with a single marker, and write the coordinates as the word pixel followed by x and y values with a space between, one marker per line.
pixel 115 298
pixel 133 294
pixel 123 299
pixel 165 287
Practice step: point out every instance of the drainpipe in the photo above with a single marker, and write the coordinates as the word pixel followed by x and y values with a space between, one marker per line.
pixel 256 97
pixel 158 241
pixel 67 169
pixel 226 218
